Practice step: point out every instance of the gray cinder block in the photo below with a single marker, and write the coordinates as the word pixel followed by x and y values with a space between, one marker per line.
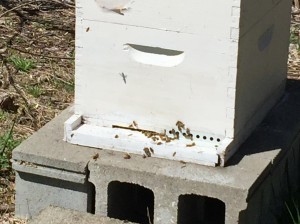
pixel 251 189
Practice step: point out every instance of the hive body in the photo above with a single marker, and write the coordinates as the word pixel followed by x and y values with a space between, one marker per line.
pixel 187 79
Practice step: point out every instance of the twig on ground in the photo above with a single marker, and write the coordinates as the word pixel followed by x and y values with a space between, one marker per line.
pixel 40 55
pixel 297 5
pixel 16 7
pixel 64 3
pixel 7 208
pixel 12 82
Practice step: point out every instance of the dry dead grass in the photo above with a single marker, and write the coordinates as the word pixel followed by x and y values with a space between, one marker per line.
pixel 294 51
pixel 36 74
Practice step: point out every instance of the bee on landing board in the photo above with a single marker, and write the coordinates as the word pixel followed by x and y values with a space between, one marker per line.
pixel 180 125
pixel 96 156
pixel 127 156
pixel 147 152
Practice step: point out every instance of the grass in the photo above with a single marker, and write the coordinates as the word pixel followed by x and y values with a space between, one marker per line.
pixel 293 209
pixel 69 87
pixel 295 40
pixel 21 64
pixel 3 115
pixel 7 144
pixel 35 91
pixel 295 35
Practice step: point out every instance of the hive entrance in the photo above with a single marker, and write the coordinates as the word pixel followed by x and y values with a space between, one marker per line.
pixel 179 132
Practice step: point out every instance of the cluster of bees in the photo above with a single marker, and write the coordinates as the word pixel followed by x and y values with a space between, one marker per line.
pixel 159 138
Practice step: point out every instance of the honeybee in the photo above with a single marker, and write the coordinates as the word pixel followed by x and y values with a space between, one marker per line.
pixel 154 138
pixel 176 135
pixel 147 152
pixel 148 134
pixel 151 150
pixel 191 145
pixel 188 131
pixel 127 156
pixel 96 156
pixel 124 77
pixel 135 124
pixel 180 125
pixel 190 136
pixel 183 162
pixel 172 131
pixel 116 136
pixel 163 138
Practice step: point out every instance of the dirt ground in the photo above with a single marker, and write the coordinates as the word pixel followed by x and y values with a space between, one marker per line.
pixel 37 75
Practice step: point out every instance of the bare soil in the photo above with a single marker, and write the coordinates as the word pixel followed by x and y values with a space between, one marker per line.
pixel 36 75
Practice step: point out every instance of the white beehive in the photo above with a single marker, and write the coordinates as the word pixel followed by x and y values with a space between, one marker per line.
pixel 183 80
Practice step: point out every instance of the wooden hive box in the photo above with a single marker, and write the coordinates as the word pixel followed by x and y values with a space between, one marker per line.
pixel 183 80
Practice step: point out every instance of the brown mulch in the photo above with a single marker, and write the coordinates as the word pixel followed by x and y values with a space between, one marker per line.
pixel 294 49
pixel 41 34
pixel 294 55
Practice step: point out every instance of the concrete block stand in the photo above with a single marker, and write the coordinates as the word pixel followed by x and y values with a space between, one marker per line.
pixel 251 189
pixel 56 215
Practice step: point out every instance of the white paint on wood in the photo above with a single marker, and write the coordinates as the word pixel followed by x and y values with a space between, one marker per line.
pixel 154 63
pixel 71 124
pixel 133 141
pixel 154 96
pixel 193 16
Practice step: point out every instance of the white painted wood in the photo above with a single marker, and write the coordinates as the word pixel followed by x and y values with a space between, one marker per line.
pixel 135 142
pixel 153 63
pixel 155 97
pixel 71 124
pixel 193 16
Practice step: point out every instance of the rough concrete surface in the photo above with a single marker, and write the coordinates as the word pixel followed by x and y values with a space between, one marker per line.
pixel 47 147
pixel 252 186
pixel 56 215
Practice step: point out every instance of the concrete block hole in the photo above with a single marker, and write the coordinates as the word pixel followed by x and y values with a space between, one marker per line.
pixel 130 202
pixel 195 209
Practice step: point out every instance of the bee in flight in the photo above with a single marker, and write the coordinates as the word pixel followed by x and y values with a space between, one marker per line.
pixel 124 77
